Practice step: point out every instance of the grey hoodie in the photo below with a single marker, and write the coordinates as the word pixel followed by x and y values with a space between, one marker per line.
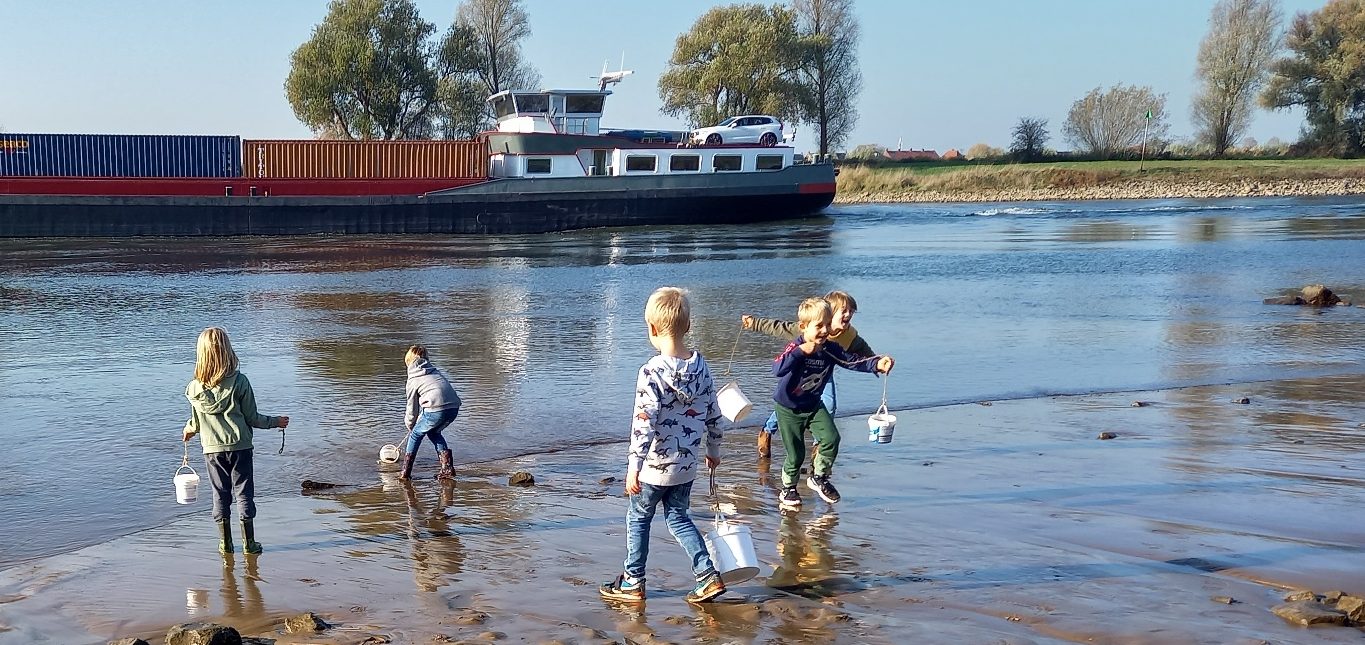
pixel 675 413
pixel 223 415
pixel 428 389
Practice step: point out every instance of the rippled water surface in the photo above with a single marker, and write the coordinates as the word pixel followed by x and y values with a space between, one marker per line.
pixel 542 334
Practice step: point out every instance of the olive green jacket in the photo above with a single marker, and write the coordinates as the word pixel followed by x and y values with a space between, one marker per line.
pixel 786 330
pixel 223 415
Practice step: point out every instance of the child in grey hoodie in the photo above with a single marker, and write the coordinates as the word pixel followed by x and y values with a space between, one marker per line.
pixel 432 405
pixel 675 413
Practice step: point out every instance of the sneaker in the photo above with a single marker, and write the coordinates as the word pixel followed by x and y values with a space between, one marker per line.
pixel 789 498
pixel 707 588
pixel 820 484
pixel 619 589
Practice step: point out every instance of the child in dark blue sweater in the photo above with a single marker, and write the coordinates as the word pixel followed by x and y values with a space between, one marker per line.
pixel 802 369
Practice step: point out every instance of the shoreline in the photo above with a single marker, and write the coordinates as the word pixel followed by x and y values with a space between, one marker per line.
pixel 1128 189
pixel 983 521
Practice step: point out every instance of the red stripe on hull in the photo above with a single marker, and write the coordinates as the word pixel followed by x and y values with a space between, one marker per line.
pixel 218 187
pixel 809 189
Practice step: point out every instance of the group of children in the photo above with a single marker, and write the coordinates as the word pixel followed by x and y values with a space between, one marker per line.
pixel 676 417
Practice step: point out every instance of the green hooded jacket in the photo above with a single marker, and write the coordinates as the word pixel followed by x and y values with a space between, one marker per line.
pixel 223 415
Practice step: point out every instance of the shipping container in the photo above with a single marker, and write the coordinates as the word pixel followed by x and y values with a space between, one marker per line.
pixel 319 159
pixel 119 155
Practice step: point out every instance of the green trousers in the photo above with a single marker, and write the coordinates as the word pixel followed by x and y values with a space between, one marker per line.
pixel 792 425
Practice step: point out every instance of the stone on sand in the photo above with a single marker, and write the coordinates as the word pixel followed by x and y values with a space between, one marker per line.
pixel 1308 613
pixel 202 634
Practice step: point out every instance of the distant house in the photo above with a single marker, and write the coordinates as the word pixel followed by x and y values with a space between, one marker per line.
pixel 912 155
pixel 952 154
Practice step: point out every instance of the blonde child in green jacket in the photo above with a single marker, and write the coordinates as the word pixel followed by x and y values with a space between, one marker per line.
pixel 223 412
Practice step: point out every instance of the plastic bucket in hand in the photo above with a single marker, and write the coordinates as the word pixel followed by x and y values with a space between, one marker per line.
pixel 186 485
pixel 733 404
pixel 389 454
pixel 732 552
pixel 881 426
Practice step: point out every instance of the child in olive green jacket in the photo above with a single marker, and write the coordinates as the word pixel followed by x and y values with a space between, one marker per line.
pixel 223 412
pixel 841 332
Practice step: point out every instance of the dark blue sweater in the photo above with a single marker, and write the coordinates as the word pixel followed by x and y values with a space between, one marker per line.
pixel 801 377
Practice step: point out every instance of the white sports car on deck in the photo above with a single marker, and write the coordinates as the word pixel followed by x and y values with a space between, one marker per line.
pixel 753 128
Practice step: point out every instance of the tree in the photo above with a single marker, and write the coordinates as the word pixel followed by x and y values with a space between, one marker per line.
pixel 1234 61
pixel 363 74
pixel 983 151
pixel 461 109
pixel 1109 122
pixel 831 74
pixel 498 27
pixel 737 59
pixel 1325 73
pixel 867 152
pixel 1030 135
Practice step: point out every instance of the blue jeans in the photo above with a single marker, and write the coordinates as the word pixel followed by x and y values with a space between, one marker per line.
pixel 429 425
pixel 827 396
pixel 639 515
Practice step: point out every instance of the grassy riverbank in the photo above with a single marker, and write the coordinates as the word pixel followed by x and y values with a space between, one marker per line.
pixel 931 182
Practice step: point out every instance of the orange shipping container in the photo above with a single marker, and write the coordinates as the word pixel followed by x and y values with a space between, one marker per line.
pixel 321 159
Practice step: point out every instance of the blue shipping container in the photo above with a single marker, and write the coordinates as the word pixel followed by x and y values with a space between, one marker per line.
pixel 119 155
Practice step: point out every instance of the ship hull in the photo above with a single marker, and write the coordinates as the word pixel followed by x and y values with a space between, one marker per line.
pixel 509 206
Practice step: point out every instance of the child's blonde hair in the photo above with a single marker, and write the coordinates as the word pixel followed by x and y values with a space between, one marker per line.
pixel 841 300
pixel 414 352
pixel 213 357
pixel 812 309
pixel 669 311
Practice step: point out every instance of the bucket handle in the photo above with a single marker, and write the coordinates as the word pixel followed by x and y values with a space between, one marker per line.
pixel 184 466
pixel 715 499
pixel 882 411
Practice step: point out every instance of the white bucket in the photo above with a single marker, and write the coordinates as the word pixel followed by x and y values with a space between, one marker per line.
pixel 186 485
pixel 733 404
pixel 732 552
pixel 881 427
pixel 389 454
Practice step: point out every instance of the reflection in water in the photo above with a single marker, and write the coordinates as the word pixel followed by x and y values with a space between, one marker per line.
pixel 807 560
pixel 242 602
pixel 437 555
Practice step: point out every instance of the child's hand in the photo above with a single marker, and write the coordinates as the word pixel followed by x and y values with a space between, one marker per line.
pixel 885 364
pixel 633 483
pixel 188 434
pixel 746 322
pixel 712 462
pixel 284 422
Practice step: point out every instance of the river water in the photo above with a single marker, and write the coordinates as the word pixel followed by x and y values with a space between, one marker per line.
pixel 542 334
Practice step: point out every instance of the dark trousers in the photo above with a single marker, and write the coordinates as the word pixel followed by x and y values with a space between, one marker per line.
pixel 792 427
pixel 230 474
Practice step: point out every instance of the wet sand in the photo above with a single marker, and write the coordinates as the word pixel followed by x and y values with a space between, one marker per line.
pixel 1005 523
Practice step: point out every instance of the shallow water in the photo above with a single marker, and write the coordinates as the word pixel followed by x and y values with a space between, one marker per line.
pixel 542 334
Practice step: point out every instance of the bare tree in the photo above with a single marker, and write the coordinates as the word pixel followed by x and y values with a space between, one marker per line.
pixel 831 74
pixel 499 26
pixel 1234 62
pixel 1030 135
pixel 1109 122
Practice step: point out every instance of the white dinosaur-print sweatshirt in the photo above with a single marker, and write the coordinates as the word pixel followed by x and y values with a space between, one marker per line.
pixel 676 418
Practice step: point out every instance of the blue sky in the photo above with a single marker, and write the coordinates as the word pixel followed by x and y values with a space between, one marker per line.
pixel 936 74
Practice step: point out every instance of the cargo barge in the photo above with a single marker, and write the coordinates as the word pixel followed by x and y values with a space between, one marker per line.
pixel 547 168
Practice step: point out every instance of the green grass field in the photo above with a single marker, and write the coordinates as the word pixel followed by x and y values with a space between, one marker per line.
pixel 957 176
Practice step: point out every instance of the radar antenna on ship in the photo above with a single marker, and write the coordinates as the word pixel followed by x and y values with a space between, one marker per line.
pixel 608 78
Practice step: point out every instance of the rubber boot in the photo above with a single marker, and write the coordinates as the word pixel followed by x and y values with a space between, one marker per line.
pixel 406 472
pixel 224 537
pixel 765 443
pixel 447 466
pixel 249 544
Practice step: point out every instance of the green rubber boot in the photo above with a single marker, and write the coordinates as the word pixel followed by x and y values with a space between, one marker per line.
pixel 249 544
pixel 224 537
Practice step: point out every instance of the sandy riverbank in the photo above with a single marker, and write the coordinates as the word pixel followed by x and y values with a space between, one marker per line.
pixel 1009 522
pixel 1135 189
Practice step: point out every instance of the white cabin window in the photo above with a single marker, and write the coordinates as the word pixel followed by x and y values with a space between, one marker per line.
pixel 684 163
pixel 727 163
pixel 538 166
pixel 640 163
pixel 769 162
